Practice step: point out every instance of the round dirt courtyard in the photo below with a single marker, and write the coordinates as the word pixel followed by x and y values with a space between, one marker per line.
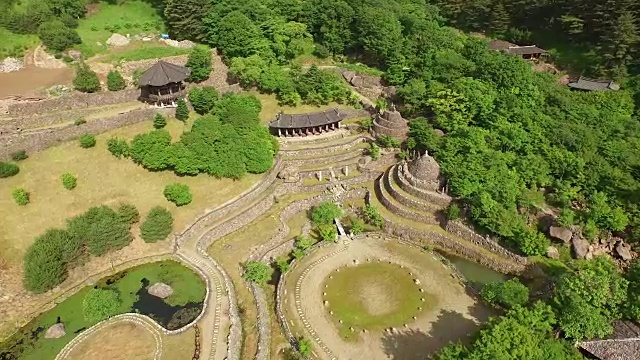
pixel 377 298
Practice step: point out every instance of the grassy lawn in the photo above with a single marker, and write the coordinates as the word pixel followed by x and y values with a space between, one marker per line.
pixel 188 287
pixel 15 45
pixel 373 296
pixel 130 17
pixel 270 107
pixel 102 179
pixel 140 344
pixel 145 50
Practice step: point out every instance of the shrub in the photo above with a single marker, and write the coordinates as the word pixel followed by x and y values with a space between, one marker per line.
pixel 453 211
pixel 303 242
pixel 159 121
pixel 325 213
pixel 372 217
pixel 79 121
pixel 182 111
pixel 87 141
pixel 19 155
pixel 101 230
pixel 203 99
pixel 57 37
pixel 328 232
pixel 128 213
pixel 157 225
pixel 118 147
pixel 100 304
pixel 304 347
pixel 366 123
pixel 257 272
pixel 86 80
pixel 508 294
pixel 45 260
pixel 8 170
pixel 357 226
pixel 69 181
pixel 178 194
pixel 20 196
pixel 199 62
pixel 387 141
pixel 282 263
pixel 115 81
pixel 374 151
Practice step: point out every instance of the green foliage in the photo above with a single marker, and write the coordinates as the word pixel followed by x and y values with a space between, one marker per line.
pixel 118 147
pixel 374 151
pixel 509 294
pixel 19 155
pixel 366 123
pixel 151 150
pixel 8 169
pixel 99 304
pixel 159 121
pixel 325 213
pixel 257 272
pixel 178 194
pixel 282 264
pixel 566 217
pixel 57 37
pixel 328 232
pixel 69 181
pixel 388 142
pixel 632 306
pixel 372 216
pixel 303 242
pixel 237 36
pixel 79 121
pixel 186 18
pixel 46 259
pixel 87 141
pixel 203 99
pixel 157 225
pixel 589 298
pixel 86 80
pixel 182 111
pixel 115 81
pixel 20 196
pixel 128 213
pixel 304 346
pixel 357 226
pixel 453 211
pixel 199 62
pixel 101 229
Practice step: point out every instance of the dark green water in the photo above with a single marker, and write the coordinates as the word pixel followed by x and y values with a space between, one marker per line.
pixel 474 272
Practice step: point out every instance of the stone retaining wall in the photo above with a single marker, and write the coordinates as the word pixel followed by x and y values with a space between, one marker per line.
pixel 418 183
pixel 328 159
pixel 405 200
pixel 459 229
pixel 393 132
pixel 442 200
pixel 37 140
pixel 35 121
pixel 73 101
pixel 389 204
pixel 326 149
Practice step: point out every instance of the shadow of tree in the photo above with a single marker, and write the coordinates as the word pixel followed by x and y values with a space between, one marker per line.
pixel 412 344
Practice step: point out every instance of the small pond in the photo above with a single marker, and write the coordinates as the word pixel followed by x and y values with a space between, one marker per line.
pixel 173 312
pixel 474 272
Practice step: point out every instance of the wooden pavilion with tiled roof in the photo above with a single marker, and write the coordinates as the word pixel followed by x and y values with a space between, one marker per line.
pixel 623 344
pixel 528 52
pixel 306 124
pixel 163 83
pixel 586 84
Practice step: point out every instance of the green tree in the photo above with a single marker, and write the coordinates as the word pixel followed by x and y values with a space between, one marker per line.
pixel 20 196
pixel 304 346
pixel 87 141
pixel 453 211
pixel 303 242
pixel 328 232
pixel 182 111
pixel 159 121
pixel 46 258
pixel 86 80
pixel 8 169
pixel 101 229
pixel 238 36
pixel 374 151
pixel 178 194
pixel 632 306
pixel 199 62
pixel 99 304
pixel 357 226
pixel 282 264
pixel 157 225
pixel 128 213
pixel 115 81
pixel 499 20
pixel 203 99
pixel 118 147
pixel 151 150
pixel 372 217
pixel 325 213
pixel 185 18
pixel 510 293
pixel 379 33
pixel 69 181
pixel 57 37
pixel 257 272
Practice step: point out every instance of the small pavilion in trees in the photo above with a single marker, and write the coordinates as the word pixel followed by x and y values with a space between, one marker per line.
pixel 163 83
pixel 529 52
pixel 586 84
pixel 306 124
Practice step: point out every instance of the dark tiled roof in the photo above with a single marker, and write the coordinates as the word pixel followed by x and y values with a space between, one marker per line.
pixel 296 121
pixel 624 344
pixel 584 83
pixel 500 45
pixel 163 73
pixel 526 50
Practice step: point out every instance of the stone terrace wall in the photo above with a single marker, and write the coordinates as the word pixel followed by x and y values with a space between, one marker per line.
pixel 73 101
pixel 34 121
pixel 400 197
pixel 327 149
pixel 37 140
pixel 459 229
pixel 439 199
pixel 389 204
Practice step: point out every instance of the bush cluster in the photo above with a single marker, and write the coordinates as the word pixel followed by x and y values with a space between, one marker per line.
pixel 325 213
pixel 87 141
pixel 159 121
pixel 157 226
pixel 118 147
pixel 20 196
pixel 257 272
pixel 199 61
pixel 178 194
pixel 182 111
pixel 115 81
pixel 86 80
pixel 97 231
pixel 372 216
pixel 69 181
pixel 19 155
pixel 509 294
pixel 203 99
pixel 8 169
pixel 99 304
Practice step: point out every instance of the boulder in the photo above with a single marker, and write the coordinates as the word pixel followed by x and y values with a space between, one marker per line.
pixel 55 332
pixel 348 75
pixel 118 40
pixel 75 54
pixel 580 246
pixel 289 174
pixel 160 290
pixel 624 251
pixel 552 252
pixel 560 233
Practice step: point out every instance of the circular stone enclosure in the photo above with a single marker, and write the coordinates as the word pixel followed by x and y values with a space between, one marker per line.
pixel 373 296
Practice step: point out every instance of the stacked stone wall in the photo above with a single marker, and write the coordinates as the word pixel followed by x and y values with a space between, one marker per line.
pixel 442 200
pixel 400 133
pixel 390 204
pixel 459 229
pixel 405 200
pixel 419 183
pixel 34 121
pixel 73 101
pixel 37 140
pixel 326 149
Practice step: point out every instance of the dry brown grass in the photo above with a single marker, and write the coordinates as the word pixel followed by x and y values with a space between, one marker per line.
pixel 179 347
pixel 122 341
pixel 102 179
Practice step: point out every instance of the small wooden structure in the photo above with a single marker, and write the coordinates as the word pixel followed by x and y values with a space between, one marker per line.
pixel 623 344
pixel 529 52
pixel 586 84
pixel 163 83
pixel 306 124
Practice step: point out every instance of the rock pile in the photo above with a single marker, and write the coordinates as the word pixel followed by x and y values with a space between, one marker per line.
pixel 11 64
pixel 118 40
pixel 184 44
pixel 583 249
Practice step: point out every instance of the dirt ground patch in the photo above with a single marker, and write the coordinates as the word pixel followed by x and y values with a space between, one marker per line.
pixel 179 347
pixel 122 341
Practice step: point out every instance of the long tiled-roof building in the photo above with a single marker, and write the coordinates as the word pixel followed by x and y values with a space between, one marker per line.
pixel 306 124
pixel 624 344
pixel 586 84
